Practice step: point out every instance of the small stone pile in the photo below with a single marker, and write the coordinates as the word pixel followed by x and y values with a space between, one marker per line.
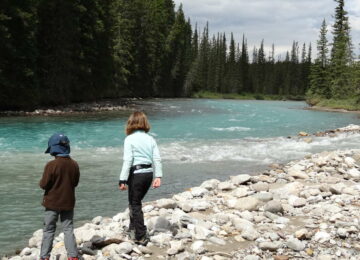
pixel 307 209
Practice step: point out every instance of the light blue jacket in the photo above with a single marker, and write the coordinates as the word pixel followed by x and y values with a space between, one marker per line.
pixel 140 148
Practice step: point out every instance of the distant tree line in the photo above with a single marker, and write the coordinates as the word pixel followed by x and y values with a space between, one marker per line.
pixel 335 73
pixel 55 52
pixel 230 68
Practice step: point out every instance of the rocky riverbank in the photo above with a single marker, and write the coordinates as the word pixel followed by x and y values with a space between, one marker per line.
pixel 77 108
pixel 306 209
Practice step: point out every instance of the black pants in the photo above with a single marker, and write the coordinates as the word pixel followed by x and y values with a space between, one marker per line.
pixel 138 185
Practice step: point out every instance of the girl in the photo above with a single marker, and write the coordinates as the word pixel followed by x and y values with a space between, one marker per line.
pixel 141 160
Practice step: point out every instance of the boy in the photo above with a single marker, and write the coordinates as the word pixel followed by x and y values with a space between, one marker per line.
pixel 59 180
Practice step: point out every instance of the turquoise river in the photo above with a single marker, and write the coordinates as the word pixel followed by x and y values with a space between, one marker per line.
pixel 198 140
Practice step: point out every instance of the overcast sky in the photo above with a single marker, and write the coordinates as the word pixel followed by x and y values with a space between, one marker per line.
pixel 276 21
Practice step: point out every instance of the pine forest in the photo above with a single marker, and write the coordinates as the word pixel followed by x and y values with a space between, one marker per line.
pixel 56 52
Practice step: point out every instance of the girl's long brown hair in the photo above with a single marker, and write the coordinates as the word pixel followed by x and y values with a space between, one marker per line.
pixel 137 121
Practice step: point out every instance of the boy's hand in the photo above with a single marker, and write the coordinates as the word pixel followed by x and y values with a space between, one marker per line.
pixel 122 187
pixel 156 183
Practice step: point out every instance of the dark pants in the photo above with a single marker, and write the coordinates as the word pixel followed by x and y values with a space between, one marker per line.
pixel 138 185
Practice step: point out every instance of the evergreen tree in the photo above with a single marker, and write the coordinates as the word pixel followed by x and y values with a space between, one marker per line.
pixel 18 54
pixel 341 54
pixel 319 76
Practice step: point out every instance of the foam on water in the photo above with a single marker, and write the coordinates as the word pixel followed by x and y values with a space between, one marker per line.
pixel 231 129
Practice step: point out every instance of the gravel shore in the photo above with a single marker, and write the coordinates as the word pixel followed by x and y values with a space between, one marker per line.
pixel 306 209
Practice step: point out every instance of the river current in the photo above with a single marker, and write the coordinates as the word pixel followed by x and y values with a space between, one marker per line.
pixel 198 139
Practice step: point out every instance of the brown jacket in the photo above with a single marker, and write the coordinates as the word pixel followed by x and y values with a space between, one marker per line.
pixel 59 180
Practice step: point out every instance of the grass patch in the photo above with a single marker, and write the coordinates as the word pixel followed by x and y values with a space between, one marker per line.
pixel 244 96
pixel 350 104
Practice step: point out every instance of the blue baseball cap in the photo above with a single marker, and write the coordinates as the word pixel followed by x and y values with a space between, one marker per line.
pixel 58 140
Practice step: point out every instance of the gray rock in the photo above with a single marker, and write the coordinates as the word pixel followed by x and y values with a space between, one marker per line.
pixel 162 225
pixel 274 206
pixel 295 244
pixel 263 196
pixel 260 186
pixel 217 241
pixel 240 179
pixel 271 246
pixel 241 224
pixel 250 234
pixel 185 256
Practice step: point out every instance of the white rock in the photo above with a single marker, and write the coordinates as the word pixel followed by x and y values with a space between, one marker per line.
pixel 186 195
pixel 284 192
pixel 321 237
pixel 342 233
pixel 210 184
pixel 296 201
pixel 240 192
pixel 251 257
pixel 124 248
pixel 337 188
pixel 25 251
pixel 274 206
pixel 297 171
pixel 198 191
pixel 148 208
pixel 198 247
pixel 350 162
pixel 260 186
pixel 166 203
pixel 354 173
pixel 202 233
pixel 175 247
pixel 217 241
pixel 240 179
pixel 199 205
pixel 226 185
pixel 97 220
pixel 161 239
pixel 247 203
pixel 241 224
pixel 295 244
